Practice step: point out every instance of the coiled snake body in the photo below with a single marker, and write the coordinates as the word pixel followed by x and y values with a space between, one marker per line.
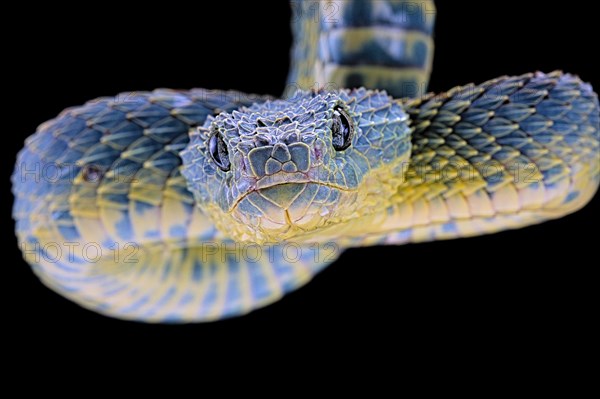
pixel 178 206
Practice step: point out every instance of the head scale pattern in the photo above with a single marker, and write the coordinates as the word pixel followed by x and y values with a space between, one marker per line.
pixel 281 169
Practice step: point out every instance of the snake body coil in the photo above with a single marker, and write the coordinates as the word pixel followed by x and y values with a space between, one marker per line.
pixel 179 206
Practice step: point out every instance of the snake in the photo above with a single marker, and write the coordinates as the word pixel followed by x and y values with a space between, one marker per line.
pixel 178 206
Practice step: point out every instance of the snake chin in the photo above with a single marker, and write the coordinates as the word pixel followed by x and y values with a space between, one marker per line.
pixel 287 211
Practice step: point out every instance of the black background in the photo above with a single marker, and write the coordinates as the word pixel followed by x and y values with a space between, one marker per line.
pixel 532 286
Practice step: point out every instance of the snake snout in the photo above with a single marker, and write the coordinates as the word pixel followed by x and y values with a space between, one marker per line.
pixel 272 159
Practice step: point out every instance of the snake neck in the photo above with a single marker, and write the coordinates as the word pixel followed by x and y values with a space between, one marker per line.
pixel 304 53
pixel 385 44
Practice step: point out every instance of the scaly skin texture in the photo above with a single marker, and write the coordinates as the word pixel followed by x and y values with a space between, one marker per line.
pixel 107 176
pixel 103 215
pixel 510 152
pixel 385 44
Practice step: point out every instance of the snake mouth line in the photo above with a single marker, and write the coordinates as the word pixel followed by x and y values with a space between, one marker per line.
pixel 306 181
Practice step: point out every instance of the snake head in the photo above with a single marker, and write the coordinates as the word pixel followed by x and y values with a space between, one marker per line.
pixel 282 169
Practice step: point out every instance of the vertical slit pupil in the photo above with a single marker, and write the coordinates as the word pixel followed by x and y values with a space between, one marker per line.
pixel 342 129
pixel 218 151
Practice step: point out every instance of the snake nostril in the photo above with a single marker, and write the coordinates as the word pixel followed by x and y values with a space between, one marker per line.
pixel 317 153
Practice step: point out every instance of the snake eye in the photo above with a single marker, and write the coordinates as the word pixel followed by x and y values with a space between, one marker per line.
pixel 341 130
pixel 218 151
